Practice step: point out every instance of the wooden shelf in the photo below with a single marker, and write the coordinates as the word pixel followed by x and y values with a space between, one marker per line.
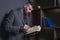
pixel 48 28
pixel 55 7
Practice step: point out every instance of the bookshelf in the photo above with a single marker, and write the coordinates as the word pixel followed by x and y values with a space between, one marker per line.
pixel 50 9
pixel 49 33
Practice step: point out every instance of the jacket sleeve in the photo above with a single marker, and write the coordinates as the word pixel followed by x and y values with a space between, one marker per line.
pixel 8 24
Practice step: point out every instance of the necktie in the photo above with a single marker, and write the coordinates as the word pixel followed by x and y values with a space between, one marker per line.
pixel 27 19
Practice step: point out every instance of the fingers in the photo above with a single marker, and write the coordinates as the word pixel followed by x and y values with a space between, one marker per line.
pixel 26 27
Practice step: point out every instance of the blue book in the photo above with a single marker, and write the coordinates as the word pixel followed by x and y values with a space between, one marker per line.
pixel 46 21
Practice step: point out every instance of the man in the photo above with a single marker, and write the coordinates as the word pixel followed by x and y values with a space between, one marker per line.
pixel 17 22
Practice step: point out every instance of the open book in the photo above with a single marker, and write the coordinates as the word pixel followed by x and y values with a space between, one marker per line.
pixel 33 29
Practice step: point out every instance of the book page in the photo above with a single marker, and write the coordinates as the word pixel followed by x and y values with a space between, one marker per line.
pixel 33 29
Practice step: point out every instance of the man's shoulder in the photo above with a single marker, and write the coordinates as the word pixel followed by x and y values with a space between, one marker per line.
pixel 18 10
pixel 15 11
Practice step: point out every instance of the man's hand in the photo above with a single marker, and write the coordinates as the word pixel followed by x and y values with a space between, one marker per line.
pixel 26 27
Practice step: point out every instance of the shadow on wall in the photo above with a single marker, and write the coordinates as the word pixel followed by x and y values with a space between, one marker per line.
pixel 4 18
pixel 2 31
pixel 1 28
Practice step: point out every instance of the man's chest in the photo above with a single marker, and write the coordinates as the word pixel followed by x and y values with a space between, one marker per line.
pixel 18 19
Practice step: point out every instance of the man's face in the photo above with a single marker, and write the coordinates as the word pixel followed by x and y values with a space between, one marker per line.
pixel 28 8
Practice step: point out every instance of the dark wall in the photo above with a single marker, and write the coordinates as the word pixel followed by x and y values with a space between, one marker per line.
pixel 45 3
pixel 7 5
pixel 58 2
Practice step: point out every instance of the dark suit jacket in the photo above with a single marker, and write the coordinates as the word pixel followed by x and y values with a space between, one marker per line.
pixel 12 25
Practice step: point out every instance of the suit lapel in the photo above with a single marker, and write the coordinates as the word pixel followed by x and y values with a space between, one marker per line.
pixel 21 16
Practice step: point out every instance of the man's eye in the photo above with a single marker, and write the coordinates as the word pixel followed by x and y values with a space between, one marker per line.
pixel 29 8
